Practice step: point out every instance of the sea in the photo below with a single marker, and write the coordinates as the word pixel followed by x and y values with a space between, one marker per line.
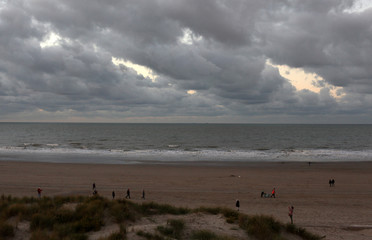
pixel 115 143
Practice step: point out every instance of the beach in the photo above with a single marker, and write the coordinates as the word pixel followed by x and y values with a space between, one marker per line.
pixel 343 211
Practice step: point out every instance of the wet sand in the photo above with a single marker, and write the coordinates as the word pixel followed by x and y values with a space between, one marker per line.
pixel 340 212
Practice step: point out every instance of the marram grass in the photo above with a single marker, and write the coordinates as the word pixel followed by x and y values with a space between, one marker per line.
pixel 54 218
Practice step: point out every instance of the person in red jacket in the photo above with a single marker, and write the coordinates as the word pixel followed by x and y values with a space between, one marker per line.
pixel 39 192
pixel 290 213
pixel 273 193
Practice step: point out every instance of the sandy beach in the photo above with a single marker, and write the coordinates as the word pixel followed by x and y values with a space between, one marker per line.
pixel 343 211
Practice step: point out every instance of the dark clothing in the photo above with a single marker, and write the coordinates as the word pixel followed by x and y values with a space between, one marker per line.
pixel 128 194
pixel 237 204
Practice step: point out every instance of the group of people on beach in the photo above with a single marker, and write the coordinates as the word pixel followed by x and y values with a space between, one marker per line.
pixel 127 196
pixel 267 195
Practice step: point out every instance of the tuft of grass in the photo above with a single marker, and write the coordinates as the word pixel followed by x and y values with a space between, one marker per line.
pixel 207 235
pixel 42 221
pixel 152 208
pixel 150 236
pixel 203 235
pixel 122 211
pixel 40 235
pixel 6 230
pixel 303 233
pixel 261 227
pixel 116 236
pixel 174 228
pixel 230 215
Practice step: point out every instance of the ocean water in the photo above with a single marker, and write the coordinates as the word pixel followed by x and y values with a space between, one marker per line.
pixel 138 143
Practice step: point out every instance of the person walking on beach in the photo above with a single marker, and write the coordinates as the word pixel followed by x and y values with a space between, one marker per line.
pixel 113 195
pixel 143 194
pixel 237 204
pixel 94 186
pixel 273 193
pixel 128 194
pixel 39 190
pixel 290 213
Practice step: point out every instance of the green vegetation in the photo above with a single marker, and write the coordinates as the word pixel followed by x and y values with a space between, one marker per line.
pixel 6 230
pixel 76 217
pixel 173 229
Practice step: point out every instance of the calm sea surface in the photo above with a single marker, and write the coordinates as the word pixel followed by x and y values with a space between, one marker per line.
pixel 133 143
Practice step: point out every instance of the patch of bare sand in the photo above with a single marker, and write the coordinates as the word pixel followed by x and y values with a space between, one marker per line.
pixel 21 228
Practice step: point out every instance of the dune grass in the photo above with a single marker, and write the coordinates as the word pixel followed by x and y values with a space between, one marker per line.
pixel 54 218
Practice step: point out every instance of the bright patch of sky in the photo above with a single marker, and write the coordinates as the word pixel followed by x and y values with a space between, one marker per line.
pixel 51 40
pixel 359 6
pixel 191 92
pixel 140 69
pixel 189 37
pixel 302 80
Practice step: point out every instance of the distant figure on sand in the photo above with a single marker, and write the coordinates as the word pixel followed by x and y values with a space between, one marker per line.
pixel 265 195
pixel 128 194
pixel 331 182
pixel 237 204
pixel 39 190
pixel 143 194
pixel 113 194
pixel 273 193
pixel 94 186
pixel 290 213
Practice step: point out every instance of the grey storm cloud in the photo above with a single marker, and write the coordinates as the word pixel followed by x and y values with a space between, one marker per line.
pixel 219 49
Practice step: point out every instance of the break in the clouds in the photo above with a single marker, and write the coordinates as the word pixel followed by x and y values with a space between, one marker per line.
pixel 186 61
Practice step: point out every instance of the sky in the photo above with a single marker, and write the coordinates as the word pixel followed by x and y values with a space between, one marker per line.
pixel 186 61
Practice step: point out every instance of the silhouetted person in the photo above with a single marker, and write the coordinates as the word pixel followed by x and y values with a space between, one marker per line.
pixel 237 204
pixel 128 194
pixel 94 186
pixel 143 194
pixel 290 213
pixel 113 194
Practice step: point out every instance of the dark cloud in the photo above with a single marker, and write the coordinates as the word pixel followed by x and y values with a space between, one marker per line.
pixel 219 49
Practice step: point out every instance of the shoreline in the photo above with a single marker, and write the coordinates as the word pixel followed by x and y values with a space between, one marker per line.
pixel 324 210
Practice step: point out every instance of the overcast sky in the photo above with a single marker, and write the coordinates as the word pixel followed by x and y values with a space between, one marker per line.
pixel 222 61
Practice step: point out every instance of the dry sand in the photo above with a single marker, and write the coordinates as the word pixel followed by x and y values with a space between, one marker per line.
pixel 340 212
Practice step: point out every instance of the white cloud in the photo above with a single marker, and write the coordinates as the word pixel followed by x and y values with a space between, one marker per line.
pixel 140 69
pixel 359 6
pixel 52 39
